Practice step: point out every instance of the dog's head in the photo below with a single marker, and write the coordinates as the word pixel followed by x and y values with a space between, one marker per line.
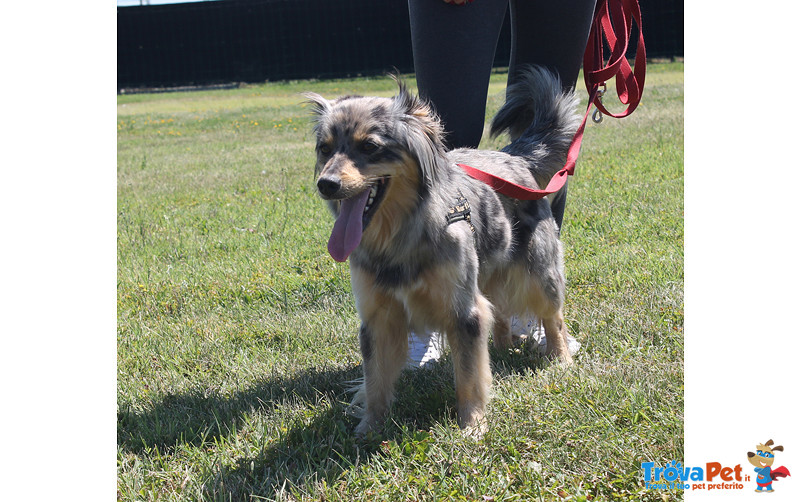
pixel 764 455
pixel 374 156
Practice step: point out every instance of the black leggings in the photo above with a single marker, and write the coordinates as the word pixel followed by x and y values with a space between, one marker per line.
pixel 454 48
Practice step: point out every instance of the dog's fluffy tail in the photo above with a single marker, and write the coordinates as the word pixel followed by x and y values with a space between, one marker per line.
pixel 540 118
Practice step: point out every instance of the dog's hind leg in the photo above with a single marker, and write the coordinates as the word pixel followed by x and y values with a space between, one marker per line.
pixel 547 303
pixel 384 347
pixel 555 331
pixel 547 283
pixel 501 333
pixel 473 377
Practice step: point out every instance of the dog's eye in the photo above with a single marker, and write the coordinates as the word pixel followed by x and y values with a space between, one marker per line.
pixel 368 147
pixel 325 149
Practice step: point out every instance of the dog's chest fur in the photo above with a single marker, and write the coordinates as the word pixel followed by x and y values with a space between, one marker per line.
pixel 481 238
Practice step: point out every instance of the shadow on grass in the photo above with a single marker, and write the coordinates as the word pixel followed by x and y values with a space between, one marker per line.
pixel 314 448
pixel 196 417
pixel 324 448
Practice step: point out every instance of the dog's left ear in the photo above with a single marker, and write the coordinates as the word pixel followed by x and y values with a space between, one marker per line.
pixel 424 133
pixel 413 106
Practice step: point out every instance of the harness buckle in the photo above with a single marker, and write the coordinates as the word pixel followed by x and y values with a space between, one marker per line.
pixel 460 212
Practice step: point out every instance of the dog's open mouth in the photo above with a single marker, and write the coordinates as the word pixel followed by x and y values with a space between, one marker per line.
pixel 355 214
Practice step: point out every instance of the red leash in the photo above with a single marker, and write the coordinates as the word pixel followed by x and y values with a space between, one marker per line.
pixel 629 81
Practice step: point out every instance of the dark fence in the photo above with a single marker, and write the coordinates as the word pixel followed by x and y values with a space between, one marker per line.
pixel 208 43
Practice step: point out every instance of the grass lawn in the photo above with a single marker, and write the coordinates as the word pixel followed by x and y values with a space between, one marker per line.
pixel 237 333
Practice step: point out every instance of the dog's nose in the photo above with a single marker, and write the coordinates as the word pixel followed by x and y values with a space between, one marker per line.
pixel 328 186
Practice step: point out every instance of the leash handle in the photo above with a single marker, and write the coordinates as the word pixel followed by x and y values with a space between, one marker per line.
pixel 629 83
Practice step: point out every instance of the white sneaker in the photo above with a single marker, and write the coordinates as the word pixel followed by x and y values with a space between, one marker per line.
pixel 424 349
pixel 427 348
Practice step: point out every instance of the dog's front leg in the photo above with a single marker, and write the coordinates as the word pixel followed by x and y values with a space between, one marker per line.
pixel 384 352
pixel 383 339
pixel 473 377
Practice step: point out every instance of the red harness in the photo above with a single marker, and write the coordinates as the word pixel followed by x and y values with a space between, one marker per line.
pixel 630 84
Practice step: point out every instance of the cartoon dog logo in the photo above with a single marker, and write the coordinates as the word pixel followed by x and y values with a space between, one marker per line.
pixel 763 459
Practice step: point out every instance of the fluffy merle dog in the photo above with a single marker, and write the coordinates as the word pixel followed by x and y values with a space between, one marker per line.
pixel 431 248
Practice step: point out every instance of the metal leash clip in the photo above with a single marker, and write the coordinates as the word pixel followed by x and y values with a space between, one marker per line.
pixel 597 115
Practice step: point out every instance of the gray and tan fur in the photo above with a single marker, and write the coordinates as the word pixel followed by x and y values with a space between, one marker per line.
pixel 410 268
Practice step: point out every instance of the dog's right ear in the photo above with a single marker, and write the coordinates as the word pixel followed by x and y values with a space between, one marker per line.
pixel 319 105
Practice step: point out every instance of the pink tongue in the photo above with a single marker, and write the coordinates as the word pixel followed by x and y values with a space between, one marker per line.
pixel 347 230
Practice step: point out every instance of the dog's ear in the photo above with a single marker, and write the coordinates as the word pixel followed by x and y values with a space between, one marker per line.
pixel 777 448
pixel 319 105
pixel 411 105
pixel 424 133
pixel 319 108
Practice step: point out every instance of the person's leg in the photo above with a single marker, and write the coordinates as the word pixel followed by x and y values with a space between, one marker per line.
pixel 554 35
pixel 550 34
pixel 454 48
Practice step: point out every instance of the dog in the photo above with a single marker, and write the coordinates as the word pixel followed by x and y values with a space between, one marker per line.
pixel 431 248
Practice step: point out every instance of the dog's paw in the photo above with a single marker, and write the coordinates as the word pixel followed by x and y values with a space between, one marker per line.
pixel 365 427
pixel 560 357
pixel 472 421
pixel 477 430
pixel 508 341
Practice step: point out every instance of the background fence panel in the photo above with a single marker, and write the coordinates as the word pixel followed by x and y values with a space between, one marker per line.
pixel 226 41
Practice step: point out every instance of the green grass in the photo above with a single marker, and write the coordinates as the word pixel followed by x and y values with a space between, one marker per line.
pixel 237 332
